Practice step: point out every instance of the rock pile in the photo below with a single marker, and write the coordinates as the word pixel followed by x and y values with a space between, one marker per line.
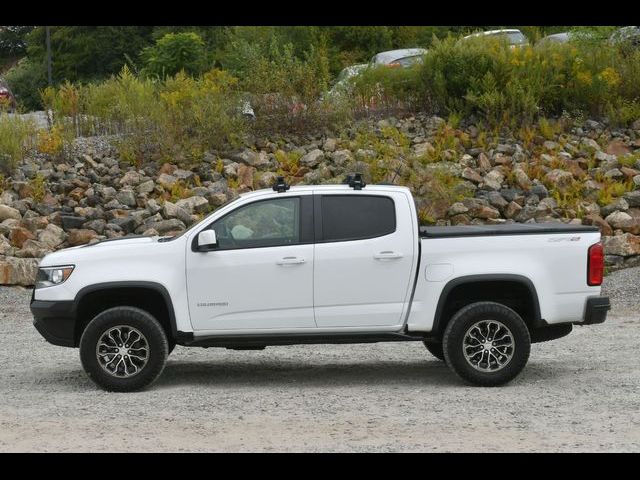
pixel 48 204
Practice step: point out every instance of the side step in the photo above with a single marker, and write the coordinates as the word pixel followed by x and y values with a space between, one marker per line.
pixel 256 342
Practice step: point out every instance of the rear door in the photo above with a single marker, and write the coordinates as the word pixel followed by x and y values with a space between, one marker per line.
pixel 363 258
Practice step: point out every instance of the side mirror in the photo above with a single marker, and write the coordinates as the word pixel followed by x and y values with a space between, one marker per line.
pixel 207 240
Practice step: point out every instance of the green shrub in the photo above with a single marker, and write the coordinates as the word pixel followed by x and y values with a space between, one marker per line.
pixel 178 117
pixel 175 52
pixel 387 88
pixel 25 80
pixel 488 77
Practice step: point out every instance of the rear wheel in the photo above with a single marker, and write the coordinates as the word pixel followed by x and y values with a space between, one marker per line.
pixel 435 349
pixel 486 344
pixel 123 349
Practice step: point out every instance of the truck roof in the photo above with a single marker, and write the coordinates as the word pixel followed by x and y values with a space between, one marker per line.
pixel 334 186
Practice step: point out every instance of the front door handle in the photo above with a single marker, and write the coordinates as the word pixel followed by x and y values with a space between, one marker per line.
pixel 387 255
pixel 290 261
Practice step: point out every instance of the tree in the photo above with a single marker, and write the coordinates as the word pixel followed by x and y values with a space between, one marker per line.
pixel 13 41
pixel 88 53
pixel 175 52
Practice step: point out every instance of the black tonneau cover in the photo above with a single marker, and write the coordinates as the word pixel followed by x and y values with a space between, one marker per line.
pixel 504 229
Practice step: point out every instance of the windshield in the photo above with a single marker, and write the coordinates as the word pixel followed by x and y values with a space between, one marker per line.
pixel 514 38
pixel 408 61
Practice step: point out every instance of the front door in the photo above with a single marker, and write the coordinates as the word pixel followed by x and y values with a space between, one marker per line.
pixel 261 274
pixel 363 260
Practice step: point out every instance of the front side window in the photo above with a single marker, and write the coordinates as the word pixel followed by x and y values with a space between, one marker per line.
pixel 267 223
pixel 356 217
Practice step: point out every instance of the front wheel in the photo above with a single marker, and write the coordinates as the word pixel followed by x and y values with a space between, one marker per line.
pixel 123 349
pixel 486 344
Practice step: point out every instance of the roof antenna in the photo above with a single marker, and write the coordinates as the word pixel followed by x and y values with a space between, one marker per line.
pixel 281 186
pixel 355 181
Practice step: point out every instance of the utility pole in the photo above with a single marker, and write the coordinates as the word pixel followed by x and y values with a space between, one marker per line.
pixel 48 34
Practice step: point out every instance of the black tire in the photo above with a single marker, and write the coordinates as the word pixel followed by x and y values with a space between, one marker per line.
pixel 463 321
pixel 127 317
pixel 435 349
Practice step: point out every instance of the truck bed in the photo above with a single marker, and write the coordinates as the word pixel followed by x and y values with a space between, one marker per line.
pixel 504 229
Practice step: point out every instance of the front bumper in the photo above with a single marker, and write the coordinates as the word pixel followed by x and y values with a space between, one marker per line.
pixel 55 321
pixel 596 310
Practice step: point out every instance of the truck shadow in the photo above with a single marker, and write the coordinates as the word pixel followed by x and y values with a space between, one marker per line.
pixel 272 374
pixel 280 374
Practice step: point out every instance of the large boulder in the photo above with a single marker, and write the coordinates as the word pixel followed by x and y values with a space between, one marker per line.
pixel 9 212
pixel 312 159
pixel 172 210
pixel 618 148
pixel 493 180
pixel 165 226
pixel 341 157
pixel 624 245
pixel 246 156
pixel 33 249
pixel 193 204
pixel 131 178
pixel 245 176
pixel 470 174
pixel 52 236
pixel 146 187
pixel 633 198
pixel 19 235
pixel 597 221
pixel 624 222
pixel 126 197
pixel 559 178
pixel 18 271
pixel 80 236
pixel 167 181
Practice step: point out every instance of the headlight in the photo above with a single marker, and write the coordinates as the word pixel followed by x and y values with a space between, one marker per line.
pixel 49 276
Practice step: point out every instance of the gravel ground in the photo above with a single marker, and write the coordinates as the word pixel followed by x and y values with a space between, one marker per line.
pixel 578 393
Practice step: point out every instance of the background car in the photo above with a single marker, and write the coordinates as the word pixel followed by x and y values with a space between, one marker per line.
pixel 626 36
pixel 343 84
pixel 7 100
pixel 404 57
pixel 513 36
pixel 562 37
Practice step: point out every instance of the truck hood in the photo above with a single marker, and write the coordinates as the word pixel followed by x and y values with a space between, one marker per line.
pixel 121 241
pixel 113 247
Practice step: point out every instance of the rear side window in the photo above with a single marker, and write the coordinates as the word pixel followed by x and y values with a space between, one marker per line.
pixel 356 217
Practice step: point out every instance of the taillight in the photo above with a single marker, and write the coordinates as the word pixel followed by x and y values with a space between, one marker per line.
pixel 595 265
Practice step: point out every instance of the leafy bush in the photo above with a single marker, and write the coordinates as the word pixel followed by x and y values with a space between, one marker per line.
pixel 176 118
pixel 25 80
pixel 488 77
pixel 387 88
pixel 175 52
pixel 285 90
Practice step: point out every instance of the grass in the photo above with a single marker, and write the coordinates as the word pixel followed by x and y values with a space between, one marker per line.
pixel 17 137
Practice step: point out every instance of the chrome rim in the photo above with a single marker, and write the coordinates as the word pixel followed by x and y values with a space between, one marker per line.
pixel 122 351
pixel 488 346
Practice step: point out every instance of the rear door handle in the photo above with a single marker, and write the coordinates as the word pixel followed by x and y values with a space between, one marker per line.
pixel 290 261
pixel 387 255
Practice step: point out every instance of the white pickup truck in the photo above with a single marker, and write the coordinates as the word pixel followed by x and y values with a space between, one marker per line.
pixel 321 264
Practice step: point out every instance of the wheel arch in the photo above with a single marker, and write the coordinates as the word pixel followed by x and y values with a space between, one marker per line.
pixel 488 285
pixel 152 297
